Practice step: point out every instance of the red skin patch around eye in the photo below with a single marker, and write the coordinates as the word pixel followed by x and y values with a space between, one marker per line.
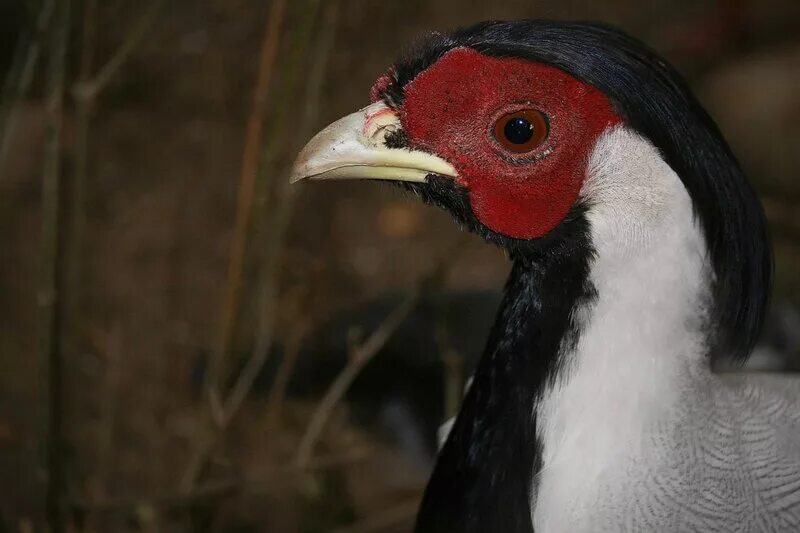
pixel 450 110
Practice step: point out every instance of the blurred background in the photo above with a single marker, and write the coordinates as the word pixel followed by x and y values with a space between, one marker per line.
pixel 189 344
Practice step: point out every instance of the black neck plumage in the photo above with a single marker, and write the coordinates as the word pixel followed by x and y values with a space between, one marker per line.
pixel 483 477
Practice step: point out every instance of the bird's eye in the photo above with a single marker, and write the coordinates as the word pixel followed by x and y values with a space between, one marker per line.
pixel 521 131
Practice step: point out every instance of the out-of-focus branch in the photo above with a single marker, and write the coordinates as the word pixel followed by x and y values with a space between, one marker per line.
pixel 213 489
pixel 91 87
pixel 268 274
pixel 19 80
pixel 358 358
pixel 104 451
pixel 282 206
pixel 363 353
pixel 244 204
pixel 383 520
pixel 49 294
pixel 83 107
pixel 88 32
pixel 453 363
pixel 300 326
pixel 86 90
pixel 11 89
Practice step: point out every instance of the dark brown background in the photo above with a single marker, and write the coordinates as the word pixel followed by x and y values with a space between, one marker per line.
pixel 164 159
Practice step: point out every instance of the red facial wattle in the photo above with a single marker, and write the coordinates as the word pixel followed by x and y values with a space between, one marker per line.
pixel 450 109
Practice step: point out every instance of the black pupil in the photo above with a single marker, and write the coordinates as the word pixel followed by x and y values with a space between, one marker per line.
pixel 518 130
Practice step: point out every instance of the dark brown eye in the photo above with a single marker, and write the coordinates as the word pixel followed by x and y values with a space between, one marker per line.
pixel 521 131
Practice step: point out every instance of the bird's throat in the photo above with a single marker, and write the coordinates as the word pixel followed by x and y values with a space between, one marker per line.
pixel 483 477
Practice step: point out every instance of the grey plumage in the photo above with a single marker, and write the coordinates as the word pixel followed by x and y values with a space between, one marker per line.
pixel 729 463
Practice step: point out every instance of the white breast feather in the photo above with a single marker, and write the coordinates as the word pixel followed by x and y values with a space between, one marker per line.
pixel 635 426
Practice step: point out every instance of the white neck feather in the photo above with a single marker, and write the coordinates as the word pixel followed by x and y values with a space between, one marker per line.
pixel 640 341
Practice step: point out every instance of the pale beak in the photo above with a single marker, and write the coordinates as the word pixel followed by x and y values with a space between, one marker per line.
pixel 354 147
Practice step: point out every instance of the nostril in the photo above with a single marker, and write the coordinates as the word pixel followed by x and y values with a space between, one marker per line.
pixel 383 132
pixel 380 123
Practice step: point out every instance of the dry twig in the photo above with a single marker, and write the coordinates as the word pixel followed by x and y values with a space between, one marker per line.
pixel 90 88
pixel 383 520
pixel 286 368
pixel 223 412
pixel 244 204
pixel 104 451
pixel 453 363
pixel 19 80
pixel 284 198
pixel 49 295
pixel 363 354
pixel 218 488
pixel 83 108
pixel 86 90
